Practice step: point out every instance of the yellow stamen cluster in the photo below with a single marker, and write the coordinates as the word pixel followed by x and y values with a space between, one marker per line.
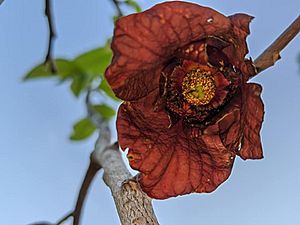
pixel 198 87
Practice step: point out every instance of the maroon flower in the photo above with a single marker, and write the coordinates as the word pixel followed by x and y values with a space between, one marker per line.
pixel 181 70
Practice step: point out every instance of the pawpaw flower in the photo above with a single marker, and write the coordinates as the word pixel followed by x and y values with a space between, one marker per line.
pixel 188 108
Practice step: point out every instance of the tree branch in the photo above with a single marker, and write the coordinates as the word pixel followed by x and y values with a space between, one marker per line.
pixel 94 167
pixel 133 206
pixel 272 53
pixel 49 58
pixel 64 218
pixel 90 174
pixel 118 8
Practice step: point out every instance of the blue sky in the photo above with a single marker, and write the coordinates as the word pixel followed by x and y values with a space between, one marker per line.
pixel 41 170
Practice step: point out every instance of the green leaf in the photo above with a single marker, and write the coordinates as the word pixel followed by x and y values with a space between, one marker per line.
pixel 105 111
pixel 64 68
pixel 94 62
pixel 82 129
pixel 115 18
pixel 40 71
pixel 133 4
pixel 79 83
pixel 107 90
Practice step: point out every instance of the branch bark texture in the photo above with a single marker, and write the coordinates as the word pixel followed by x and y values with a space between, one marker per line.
pixel 272 53
pixel 133 206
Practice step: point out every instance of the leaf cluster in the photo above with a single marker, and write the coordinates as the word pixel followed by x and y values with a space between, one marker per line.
pixel 81 71
pixel 84 72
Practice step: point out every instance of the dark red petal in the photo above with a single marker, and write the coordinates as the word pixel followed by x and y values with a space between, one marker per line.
pixel 241 21
pixel 195 51
pixel 188 65
pixel 251 144
pixel 216 42
pixel 177 76
pixel 145 111
pixel 219 98
pixel 221 81
pixel 171 162
pixel 220 162
pixel 238 50
pixel 230 125
pixel 146 41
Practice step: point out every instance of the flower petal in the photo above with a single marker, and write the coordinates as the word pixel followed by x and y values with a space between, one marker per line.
pixel 170 160
pixel 143 43
pixel 241 125
pixel 195 51
pixel 238 50
pixel 254 113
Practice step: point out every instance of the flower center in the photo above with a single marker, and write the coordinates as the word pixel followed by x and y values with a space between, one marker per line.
pixel 198 87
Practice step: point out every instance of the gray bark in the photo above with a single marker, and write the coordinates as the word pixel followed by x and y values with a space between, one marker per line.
pixel 134 207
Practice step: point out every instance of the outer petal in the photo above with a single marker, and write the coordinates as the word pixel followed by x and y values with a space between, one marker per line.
pixel 241 121
pixel 251 144
pixel 229 125
pixel 237 52
pixel 143 43
pixel 170 160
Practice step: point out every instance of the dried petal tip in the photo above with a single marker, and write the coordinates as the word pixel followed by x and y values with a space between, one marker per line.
pixel 242 21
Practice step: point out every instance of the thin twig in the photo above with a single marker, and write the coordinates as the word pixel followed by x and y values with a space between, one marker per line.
pixel 49 58
pixel 64 218
pixel 88 104
pixel 91 113
pixel 272 53
pixel 90 174
pixel 94 167
pixel 118 8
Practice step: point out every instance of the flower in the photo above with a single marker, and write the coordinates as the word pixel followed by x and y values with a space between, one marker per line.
pixel 188 109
